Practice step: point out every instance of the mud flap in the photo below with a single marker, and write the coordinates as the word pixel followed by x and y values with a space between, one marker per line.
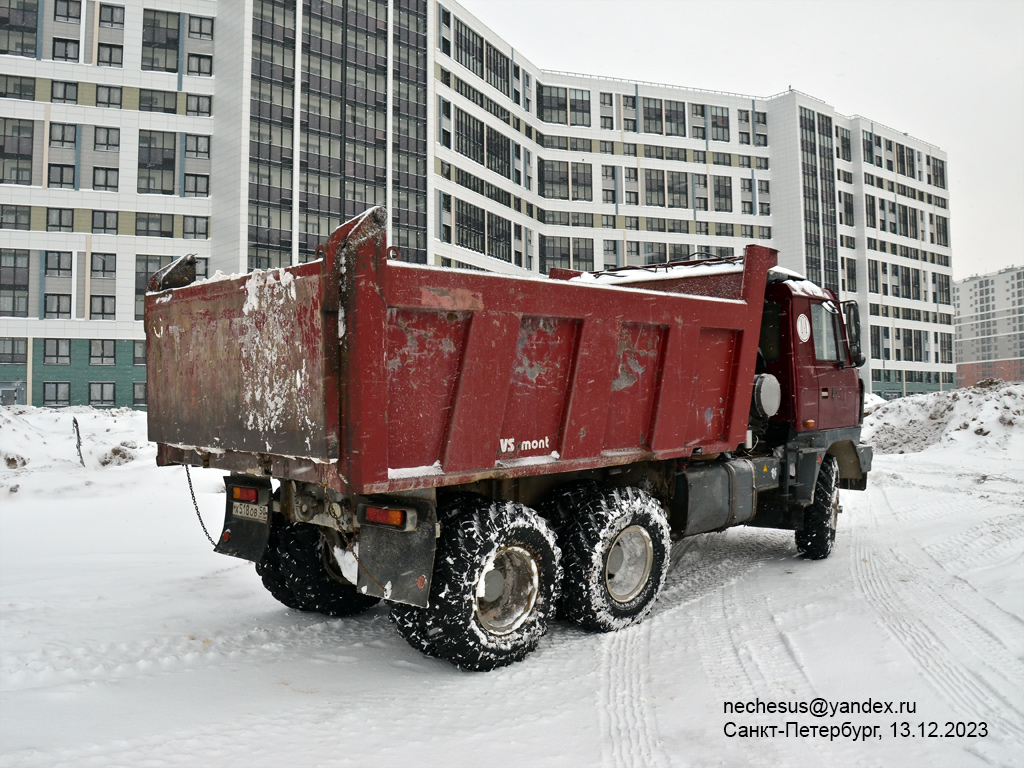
pixel 246 522
pixel 398 565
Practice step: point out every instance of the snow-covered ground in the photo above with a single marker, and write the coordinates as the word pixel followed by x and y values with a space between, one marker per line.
pixel 124 641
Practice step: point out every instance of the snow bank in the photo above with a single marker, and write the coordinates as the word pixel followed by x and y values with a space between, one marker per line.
pixel 989 417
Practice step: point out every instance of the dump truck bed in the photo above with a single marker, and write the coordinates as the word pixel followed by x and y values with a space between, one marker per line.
pixel 371 375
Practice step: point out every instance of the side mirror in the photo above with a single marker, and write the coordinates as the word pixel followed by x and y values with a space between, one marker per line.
pixel 851 318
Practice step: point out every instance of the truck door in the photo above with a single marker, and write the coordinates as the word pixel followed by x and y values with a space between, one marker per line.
pixel 838 394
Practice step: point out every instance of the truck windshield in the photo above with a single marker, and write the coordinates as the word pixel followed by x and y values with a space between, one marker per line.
pixel 824 323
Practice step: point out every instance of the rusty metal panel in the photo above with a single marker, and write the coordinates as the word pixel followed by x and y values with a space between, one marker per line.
pixel 236 364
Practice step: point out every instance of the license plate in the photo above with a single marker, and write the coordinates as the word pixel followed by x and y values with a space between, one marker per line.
pixel 249 511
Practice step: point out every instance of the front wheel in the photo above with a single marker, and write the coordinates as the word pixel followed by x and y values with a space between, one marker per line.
pixel 494 589
pixel 616 558
pixel 816 539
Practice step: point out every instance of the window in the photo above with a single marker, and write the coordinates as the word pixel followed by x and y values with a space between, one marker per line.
pixel 104 179
pixel 104 222
pixel 721 158
pixel 65 50
pixel 197 185
pixel 63 93
pixel 200 65
pixel 606 100
pixel 469 226
pixel 747 231
pixel 159 41
pixel 145 267
pixel 607 123
pixel 56 393
pixel 724 230
pixel 608 196
pixel 109 55
pixel 101 394
pixel 579 107
pixel 57 351
pixel 632 198
pixel 764 233
pixel 763 186
pixel 764 209
pixel 58 263
pixel 723 193
pixel 59 219
pixel 196 228
pixel 104 265
pixel 582 182
pixel 553 178
pixel 13 351
pixel 107 139
pixel 552 104
pixel 63 135
pixel 747 206
pixel 744 137
pixel 158 101
pixel 197 146
pixel 108 96
pixel 760 140
pixel 67 10
pixel 15 217
pixel 654 187
pixel 57 306
pixel 652 115
pixel 61 176
pixel 719 123
pixel 200 27
pixel 761 164
pixel 607 147
pixel 697 131
pixel 154 225
pixel 112 16
pixel 102 352
pixel 12 87
pixel 824 317
pixel 139 393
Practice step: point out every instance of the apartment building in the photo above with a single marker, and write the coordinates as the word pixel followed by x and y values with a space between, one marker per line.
pixel 990 326
pixel 484 159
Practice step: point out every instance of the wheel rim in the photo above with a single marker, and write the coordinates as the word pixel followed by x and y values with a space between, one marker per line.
pixel 507 591
pixel 628 565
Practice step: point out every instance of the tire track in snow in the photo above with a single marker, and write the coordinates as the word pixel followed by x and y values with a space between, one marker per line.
pixel 878 572
pixel 744 652
pixel 628 726
pixel 54 666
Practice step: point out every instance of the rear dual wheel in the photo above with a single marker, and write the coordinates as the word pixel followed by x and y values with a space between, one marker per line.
pixel 494 589
pixel 300 571
pixel 615 545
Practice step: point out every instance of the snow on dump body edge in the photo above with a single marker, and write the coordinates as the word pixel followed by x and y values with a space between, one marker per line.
pixel 626 276
pixel 982 418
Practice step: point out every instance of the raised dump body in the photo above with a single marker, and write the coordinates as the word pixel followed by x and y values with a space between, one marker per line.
pixel 423 377
pixel 467 445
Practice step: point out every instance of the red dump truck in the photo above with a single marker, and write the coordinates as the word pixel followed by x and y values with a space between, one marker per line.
pixel 484 451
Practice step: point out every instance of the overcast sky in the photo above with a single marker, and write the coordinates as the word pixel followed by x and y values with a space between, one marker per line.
pixel 948 72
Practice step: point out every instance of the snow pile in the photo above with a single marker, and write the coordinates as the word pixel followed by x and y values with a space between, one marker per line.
pixel 988 417
pixel 41 445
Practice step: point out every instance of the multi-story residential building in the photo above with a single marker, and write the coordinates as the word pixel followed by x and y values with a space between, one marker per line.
pixel 485 161
pixel 990 326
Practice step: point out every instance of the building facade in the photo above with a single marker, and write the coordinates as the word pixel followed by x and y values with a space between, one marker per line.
pixel 484 160
pixel 990 327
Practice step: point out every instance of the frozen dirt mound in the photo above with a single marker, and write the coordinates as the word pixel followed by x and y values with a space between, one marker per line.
pixel 987 416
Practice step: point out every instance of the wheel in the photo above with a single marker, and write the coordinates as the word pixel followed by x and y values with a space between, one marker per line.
pixel 818 535
pixel 560 507
pixel 299 570
pixel 494 589
pixel 615 558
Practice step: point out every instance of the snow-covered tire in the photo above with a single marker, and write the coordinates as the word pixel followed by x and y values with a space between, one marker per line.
pixel 299 571
pixel 615 558
pixel 494 589
pixel 816 539
pixel 561 506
